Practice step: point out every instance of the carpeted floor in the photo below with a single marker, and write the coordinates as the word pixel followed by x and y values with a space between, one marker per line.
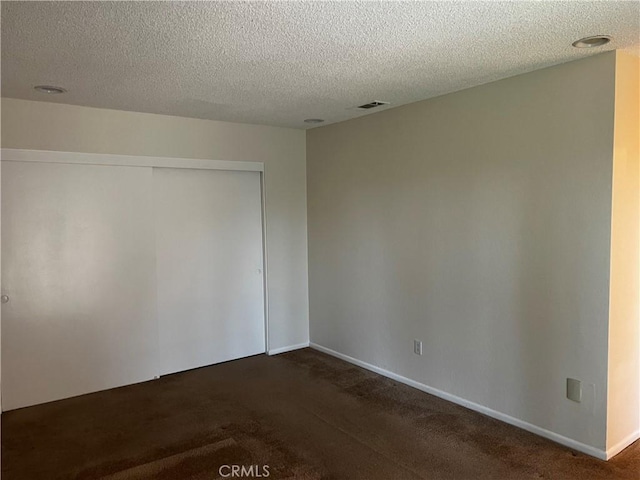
pixel 303 414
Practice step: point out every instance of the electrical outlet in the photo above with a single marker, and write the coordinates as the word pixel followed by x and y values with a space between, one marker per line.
pixel 417 347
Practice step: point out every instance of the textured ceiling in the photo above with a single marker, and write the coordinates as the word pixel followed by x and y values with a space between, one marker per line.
pixel 278 63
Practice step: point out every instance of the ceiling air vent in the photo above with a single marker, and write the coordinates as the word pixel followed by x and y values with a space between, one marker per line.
pixel 373 104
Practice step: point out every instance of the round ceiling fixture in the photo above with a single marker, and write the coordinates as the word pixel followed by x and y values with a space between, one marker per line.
pixel 313 120
pixel 591 42
pixel 49 89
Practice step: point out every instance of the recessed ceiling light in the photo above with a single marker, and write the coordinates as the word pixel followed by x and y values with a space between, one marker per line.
pixel 49 89
pixel 591 42
pixel 313 120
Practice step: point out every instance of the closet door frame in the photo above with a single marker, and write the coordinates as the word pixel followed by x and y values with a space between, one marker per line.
pixel 47 156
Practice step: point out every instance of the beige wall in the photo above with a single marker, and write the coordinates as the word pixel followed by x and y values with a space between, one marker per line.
pixel 0 285
pixel 479 223
pixel 49 126
pixel 623 421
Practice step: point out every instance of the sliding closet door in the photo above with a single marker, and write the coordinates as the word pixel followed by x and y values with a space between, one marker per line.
pixel 78 265
pixel 209 266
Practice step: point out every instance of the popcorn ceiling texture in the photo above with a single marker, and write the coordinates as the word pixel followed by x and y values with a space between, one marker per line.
pixel 277 63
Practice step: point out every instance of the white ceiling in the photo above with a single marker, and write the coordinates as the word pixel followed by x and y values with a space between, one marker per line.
pixel 278 63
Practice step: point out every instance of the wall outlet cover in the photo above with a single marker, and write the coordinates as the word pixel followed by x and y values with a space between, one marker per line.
pixel 574 390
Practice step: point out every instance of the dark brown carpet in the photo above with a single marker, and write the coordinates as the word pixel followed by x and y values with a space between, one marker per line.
pixel 304 414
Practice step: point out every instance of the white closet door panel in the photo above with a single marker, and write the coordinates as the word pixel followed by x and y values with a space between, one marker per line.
pixel 209 266
pixel 78 265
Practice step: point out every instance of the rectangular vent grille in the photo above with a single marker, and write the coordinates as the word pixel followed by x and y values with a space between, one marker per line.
pixel 374 104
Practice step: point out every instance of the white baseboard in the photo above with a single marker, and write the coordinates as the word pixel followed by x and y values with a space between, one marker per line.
pixel 568 442
pixel 288 348
pixel 621 445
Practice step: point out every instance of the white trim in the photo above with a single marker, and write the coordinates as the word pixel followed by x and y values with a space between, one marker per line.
pixel 288 348
pixel 265 264
pixel 45 156
pixel 622 444
pixel 568 442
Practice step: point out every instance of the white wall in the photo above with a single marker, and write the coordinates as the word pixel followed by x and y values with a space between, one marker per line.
pixel 479 223
pixel 48 126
